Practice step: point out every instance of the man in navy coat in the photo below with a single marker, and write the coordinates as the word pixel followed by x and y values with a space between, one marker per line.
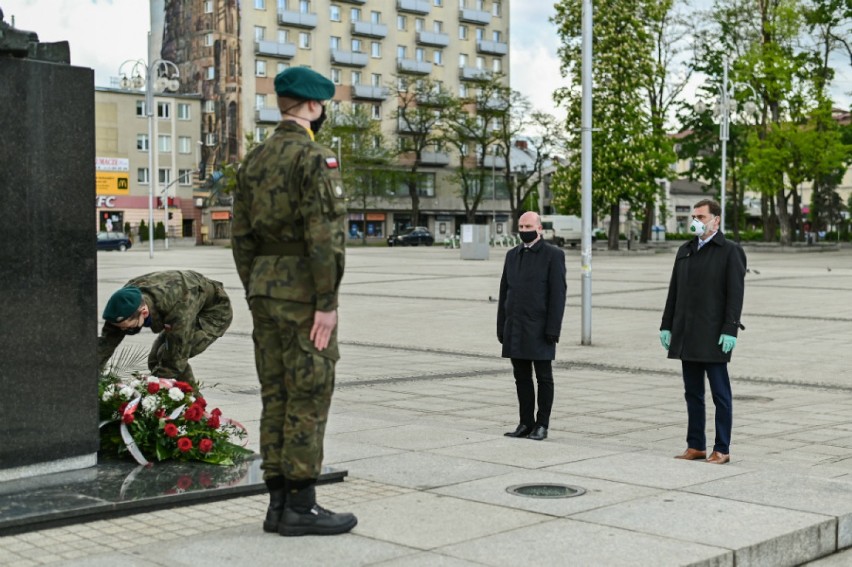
pixel 700 324
pixel 529 321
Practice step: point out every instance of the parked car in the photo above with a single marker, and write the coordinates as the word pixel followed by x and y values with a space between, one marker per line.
pixel 114 241
pixel 412 237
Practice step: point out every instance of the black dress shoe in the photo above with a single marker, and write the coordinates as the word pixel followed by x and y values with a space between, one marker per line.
pixel 539 433
pixel 520 431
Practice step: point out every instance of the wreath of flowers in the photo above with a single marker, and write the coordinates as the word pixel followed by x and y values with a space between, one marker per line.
pixel 153 418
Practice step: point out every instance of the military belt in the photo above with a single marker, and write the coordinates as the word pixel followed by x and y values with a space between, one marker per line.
pixel 296 248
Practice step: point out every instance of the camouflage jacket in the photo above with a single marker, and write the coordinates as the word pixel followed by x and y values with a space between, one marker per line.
pixel 174 299
pixel 289 190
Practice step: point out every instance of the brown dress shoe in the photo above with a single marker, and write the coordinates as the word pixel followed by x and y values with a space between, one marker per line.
pixel 718 458
pixel 692 455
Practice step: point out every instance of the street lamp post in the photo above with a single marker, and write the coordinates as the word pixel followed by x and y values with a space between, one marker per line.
pixel 725 105
pixel 494 190
pixel 162 75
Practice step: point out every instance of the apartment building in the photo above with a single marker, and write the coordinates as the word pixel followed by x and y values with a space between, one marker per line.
pixel 231 52
pixel 123 173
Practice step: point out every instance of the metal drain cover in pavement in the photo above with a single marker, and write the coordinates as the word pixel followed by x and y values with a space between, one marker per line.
pixel 546 490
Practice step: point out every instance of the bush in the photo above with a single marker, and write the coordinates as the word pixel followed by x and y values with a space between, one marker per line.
pixel 160 231
pixel 143 231
pixel 678 236
pixel 127 228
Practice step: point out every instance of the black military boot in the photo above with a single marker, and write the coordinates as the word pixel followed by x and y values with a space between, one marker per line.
pixel 277 499
pixel 303 516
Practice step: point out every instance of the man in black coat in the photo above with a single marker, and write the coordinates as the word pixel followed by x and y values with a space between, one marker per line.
pixel 529 321
pixel 700 324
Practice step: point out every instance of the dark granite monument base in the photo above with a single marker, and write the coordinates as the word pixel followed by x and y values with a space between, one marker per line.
pixel 120 488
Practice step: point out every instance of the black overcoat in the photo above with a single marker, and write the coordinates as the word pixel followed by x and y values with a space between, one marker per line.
pixel 705 299
pixel 532 301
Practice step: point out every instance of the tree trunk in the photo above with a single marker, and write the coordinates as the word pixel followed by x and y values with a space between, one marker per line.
pixel 415 203
pixel 796 223
pixel 647 223
pixel 783 217
pixel 614 221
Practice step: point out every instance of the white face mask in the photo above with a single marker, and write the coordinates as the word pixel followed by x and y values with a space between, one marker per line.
pixel 698 228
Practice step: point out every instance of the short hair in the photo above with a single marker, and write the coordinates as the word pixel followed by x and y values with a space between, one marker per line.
pixel 715 208
pixel 286 103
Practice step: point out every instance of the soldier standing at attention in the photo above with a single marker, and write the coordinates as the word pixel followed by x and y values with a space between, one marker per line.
pixel 186 310
pixel 288 241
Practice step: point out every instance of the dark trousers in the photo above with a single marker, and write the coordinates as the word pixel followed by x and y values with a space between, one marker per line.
pixel 720 387
pixel 522 370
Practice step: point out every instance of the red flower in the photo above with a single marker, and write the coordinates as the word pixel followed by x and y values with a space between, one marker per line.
pixel 170 430
pixel 193 413
pixel 153 387
pixel 205 445
pixel 160 413
pixel 184 444
pixel 127 418
pixel 216 412
pixel 184 482
pixel 213 422
pixel 185 387
pixel 122 407
pixel 201 401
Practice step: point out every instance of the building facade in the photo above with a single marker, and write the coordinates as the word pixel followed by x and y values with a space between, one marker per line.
pixel 231 51
pixel 123 172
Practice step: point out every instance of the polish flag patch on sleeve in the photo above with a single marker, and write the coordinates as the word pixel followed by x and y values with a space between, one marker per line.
pixel 331 162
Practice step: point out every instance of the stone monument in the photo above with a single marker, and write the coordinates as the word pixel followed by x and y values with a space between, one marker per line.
pixel 48 280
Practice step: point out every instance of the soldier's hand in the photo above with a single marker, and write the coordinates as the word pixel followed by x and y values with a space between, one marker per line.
pixel 324 324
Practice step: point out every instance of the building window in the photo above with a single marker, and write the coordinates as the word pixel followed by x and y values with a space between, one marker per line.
pixel 497 36
pixel 418 24
pixel 165 176
pixel 480 62
pixel 462 32
pixel 142 142
pixel 283 36
pixel 497 8
pixel 335 106
pixel 376 49
pixel 210 139
pixel 304 6
pixel 401 84
pixel 259 68
pixel 462 59
pixel 419 54
pixel 142 175
pixel 334 13
pixel 280 66
pixel 401 22
pixel 480 34
pixel 209 106
pixel 376 80
pixel 334 42
pixel 259 101
pixel 140 108
pixel 184 144
pixel 401 51
pixel 183 111
pixel 355 14
pixel 164 110
pixel 208 6
pixel 259 33
pixel 164 143
pixel 480 4
pixel 208 40
pixel 497 65
pixel 260 4
pixel 259 134
pixel 439 2
pixel 211 73
pixel 185 176
pixel 335 76
pixel 356 45
pixel 438 57
pixel 438 27
pixel 376 17
pixel 463 90
pixel 304 40
pixel 356 77
pixel 376 112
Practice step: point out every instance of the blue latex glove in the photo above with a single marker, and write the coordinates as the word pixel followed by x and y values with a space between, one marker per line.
pixel 666 339
pixel 728 343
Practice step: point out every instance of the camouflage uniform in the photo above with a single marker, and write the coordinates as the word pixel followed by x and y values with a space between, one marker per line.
pixel 288 243
pixel 188 311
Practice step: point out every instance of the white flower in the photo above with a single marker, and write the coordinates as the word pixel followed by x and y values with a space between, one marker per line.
pixel 126 392
pixel 149 404
pixel 134 383
pixel 191 399
pixel 107 395
pixel 153 380
pixel 175 394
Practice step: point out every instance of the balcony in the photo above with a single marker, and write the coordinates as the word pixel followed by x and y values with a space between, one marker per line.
pixel 433 38
pixel 492 47
pixel 474 74
pixel 349 58
pixel 413 66
pixel 269 115
pixel 369 92
pixel 415 6
pixel 275 49
pixel 369 29
pixel 491 161
pixel 431 99
pixel 404 127
pixel 359 2
pixel 297 19
pixel 475 16
pixel 436 159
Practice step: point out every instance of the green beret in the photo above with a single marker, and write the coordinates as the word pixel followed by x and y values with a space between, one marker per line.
pixel 303 83
pixel 123 303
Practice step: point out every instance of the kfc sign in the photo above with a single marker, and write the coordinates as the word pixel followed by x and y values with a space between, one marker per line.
pixel 105 201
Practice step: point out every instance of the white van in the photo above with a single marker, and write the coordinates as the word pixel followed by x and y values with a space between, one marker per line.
pixel 562 229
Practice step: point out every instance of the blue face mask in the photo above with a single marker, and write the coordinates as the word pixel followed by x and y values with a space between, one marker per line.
pixel 137 330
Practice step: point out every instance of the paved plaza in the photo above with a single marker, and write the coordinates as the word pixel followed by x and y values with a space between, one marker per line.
pixel 423 398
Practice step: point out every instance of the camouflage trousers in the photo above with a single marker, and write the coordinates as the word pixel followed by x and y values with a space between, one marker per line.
pixel 210 324
pixel 296 384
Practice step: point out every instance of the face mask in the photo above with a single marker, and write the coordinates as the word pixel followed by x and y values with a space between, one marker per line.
pixel 317 124
pixel 698 228
pixel 528 235
pixel 132 331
